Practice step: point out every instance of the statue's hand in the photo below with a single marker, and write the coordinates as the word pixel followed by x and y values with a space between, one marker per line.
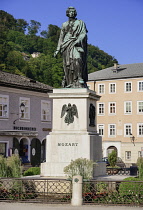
pixel 55 53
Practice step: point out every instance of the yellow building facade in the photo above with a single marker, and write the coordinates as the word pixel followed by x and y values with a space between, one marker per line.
pixel 120 110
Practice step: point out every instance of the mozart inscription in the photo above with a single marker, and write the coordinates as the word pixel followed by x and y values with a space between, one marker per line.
pixel 68 144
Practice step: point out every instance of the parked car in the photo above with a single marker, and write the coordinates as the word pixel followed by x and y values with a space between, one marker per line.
pixel 105 159
pixel 119 162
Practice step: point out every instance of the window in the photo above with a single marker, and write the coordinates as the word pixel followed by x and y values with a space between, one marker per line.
pixel 45 110
pixel 139 154
pixel 101 109
pixel 127 129
pixel 140 107
pixel 140 86
pixel 128 86
pixel 112 108
pixel 127 107
pixel 4 103
pixel 140 129
pixel 26 111
pixel 100 130
pixel 112 88
pixel 101 88
pixel 3 149
pixel 112 130
pixel 128 155
pixel 4 145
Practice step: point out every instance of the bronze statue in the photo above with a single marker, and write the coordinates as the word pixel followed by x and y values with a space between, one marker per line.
pixel 92 115
pixel 73 46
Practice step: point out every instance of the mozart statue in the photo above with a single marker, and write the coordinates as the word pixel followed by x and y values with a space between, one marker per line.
pixel 73 46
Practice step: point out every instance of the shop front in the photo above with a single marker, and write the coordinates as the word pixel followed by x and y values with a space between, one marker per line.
pixel 25 144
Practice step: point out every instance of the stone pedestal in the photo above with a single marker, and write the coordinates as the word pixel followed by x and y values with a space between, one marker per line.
pixel 78 139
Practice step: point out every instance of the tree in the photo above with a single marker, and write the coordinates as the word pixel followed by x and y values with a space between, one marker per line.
pixel 15 62
pixel 112 158
pixel 4 49
pixel 44 34
pixel 7 21
pixel 97 59
pixel 53 33
pixel 34 27
pixel 21 25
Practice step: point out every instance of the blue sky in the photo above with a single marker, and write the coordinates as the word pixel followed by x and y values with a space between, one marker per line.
pixel 115 26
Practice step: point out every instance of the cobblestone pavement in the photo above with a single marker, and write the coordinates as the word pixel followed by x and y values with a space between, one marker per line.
pixel 35 206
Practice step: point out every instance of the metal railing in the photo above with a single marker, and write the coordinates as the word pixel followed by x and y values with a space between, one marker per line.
pixel 113 192
pixel 122 171
pixel 60 191
pixel 35 190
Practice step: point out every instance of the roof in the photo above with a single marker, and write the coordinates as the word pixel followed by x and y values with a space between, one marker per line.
pixel 121 72
pixel 22 82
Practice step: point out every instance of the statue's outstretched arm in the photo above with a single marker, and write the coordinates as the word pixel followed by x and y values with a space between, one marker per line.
pixel 59 43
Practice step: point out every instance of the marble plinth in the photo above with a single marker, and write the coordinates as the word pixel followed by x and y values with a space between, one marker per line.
pixel 78 139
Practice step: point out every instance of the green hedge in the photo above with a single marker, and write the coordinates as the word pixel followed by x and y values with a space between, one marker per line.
pixel 132 188
pixel 32 171
pixel 140 167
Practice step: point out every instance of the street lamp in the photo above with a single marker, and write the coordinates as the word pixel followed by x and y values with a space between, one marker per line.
pixel 22 107
pixel 132 138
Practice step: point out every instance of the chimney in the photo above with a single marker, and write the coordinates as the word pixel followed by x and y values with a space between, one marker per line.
pixel 115 68
pixel 115 65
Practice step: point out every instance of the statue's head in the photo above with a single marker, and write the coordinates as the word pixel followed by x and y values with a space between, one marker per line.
pixel 69 9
